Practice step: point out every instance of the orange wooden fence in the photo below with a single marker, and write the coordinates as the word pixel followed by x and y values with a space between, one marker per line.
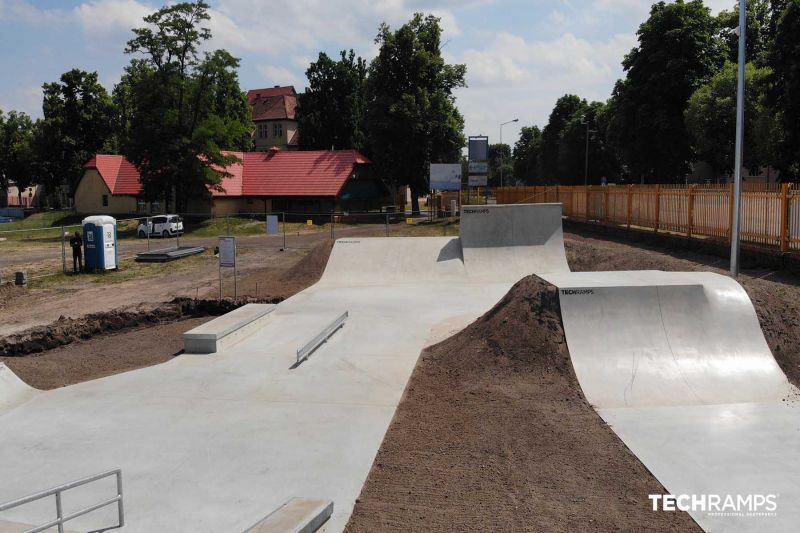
pixel 770 213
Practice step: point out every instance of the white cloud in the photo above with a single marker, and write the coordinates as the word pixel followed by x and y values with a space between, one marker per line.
pixel 109 17
pixel 511 77
pixel 27 99
pixel 275 75
pixel 22 11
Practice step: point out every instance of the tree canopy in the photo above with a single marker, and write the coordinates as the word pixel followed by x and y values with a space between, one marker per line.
pixel 678 51
pixel 179 109
pixel 331 110
pixel 411 117
pixel 16 150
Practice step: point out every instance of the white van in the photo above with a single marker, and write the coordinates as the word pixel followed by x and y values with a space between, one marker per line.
pixel 161 225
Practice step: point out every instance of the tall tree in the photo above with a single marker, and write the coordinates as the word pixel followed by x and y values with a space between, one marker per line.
pixel 184 109
pixel 411 118
pixel 678 52
pixel 17 160
pixel 527 153
pixel 78 117
pixel 711 119
pixel 331 110
pixel 784 58
pixel 567 108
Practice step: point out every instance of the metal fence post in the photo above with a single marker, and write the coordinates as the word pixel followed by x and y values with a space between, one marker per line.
pixel 120 508
pixel 332 234
pixel 586 194
pixel 630 204
pixel 387 224
pixel 59 513
pixel 730 211
pixel 283 218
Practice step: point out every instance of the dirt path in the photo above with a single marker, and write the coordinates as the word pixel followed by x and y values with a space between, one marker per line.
pixel 494 434
pixel 259 258
pixel 102 356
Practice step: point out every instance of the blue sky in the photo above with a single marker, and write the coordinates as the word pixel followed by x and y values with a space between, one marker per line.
pixel 521 55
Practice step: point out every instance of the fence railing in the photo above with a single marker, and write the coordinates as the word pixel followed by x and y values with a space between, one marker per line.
pixel 770 213
pixel 61 518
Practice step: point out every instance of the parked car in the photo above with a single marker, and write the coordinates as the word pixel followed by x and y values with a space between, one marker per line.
pixel 162 225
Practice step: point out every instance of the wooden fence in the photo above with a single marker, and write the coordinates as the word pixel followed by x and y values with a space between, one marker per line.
pixel 770 213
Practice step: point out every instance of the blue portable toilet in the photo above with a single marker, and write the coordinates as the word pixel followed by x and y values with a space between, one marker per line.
pixel 100 242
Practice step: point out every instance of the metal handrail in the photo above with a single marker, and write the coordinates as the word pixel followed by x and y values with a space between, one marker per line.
pixel 56 491
pixel 324 335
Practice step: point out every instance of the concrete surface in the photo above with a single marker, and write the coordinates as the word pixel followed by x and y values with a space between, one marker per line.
pixel 226 330
pixel 215 443
pixel 298 515
pixel 676 363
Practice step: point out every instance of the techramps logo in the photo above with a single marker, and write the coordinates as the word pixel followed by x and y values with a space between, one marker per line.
pixel 733 505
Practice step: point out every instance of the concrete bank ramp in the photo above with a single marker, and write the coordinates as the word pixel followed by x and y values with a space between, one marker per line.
pixel 214 442
pixel 510 242
pixel 677 364
pixel 13 391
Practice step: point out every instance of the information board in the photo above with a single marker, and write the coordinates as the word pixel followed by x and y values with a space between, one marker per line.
pixel 227 252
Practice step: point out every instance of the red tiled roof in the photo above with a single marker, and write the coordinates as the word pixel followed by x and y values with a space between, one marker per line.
pixel 270 92
pixel 274 107
pixel 119 175
pixel 272 173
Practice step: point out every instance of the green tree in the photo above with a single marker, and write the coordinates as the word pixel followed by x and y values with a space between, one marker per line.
pixel 77 123
pixel 567 109
pixel 182 110
pixel 527 153
pixel 331 110
pixel 678 52
pixel 711 119
pixel 17 160
pixel 500 157
pixel 758 31
pixel 784 97
pixel 411 117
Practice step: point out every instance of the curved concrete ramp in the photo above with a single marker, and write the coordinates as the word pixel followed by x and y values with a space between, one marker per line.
pixel 677 364
pixel 13 391
pixel 509 242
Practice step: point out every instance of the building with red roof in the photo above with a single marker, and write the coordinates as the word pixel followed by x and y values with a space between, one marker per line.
pixel 276 180
pixel 274 117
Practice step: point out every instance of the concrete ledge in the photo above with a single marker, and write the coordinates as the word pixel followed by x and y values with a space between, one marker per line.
pixel 226 330
pixel 298 515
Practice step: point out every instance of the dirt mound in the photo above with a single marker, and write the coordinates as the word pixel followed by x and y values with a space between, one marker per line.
pixel 67 330
pixel 309 269
pixel 494 434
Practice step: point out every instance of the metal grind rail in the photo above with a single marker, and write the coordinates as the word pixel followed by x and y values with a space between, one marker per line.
pixel 61 519
pixel 307 349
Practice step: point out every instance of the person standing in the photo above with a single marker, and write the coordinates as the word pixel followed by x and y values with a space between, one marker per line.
pixel 76 242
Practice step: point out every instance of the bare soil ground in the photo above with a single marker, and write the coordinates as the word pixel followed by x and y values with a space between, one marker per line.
pixel 125 339
pixel 494 434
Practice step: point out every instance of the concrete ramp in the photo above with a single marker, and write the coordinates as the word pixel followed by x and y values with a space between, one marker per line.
pixel 13 391
pixel 677 364
pixel 509 242
pixel 215 443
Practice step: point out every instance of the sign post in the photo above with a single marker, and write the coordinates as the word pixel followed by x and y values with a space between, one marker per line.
pixel 478 161
pixel 227 259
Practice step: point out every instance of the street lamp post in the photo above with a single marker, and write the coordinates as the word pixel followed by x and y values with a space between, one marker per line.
pixel 586 158
pixel 502 157
pixel 737 184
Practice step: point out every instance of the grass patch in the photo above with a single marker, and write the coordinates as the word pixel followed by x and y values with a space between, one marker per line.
pixel 128 270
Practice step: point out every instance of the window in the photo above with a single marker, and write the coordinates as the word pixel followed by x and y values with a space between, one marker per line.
pixel 141 206
pixel 262 131
pixel 105 200
pixel 277 130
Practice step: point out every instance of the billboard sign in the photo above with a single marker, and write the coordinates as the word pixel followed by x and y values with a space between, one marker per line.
pixel 478 167
pixel 477 180
pixel 445 177
pixel 479 148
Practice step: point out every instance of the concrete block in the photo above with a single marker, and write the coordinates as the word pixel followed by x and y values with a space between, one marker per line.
pixel 298 515
pixel 226 330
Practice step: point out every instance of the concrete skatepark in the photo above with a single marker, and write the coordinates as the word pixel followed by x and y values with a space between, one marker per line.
pixel 675 363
